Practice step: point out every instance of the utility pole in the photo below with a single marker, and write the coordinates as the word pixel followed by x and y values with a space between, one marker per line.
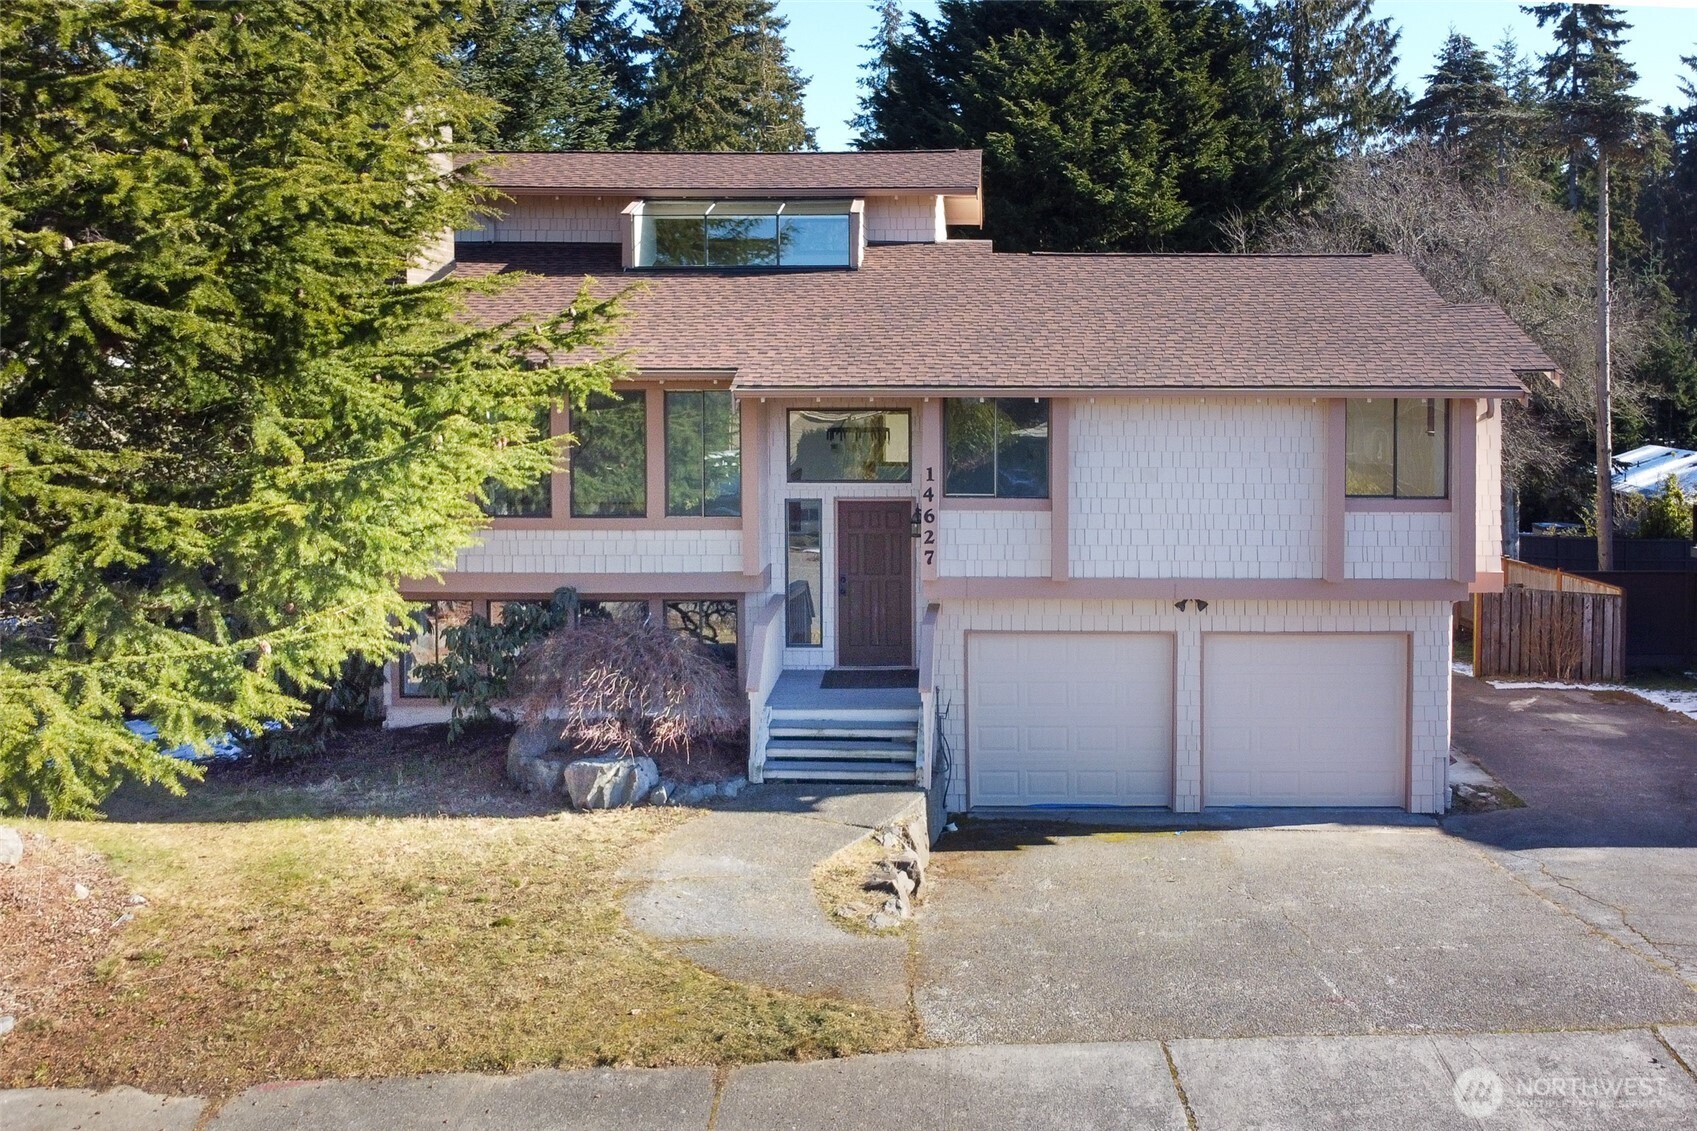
pixel 1605 431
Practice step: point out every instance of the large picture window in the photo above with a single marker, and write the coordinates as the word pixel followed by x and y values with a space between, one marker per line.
pixel 531 500
pixel 609 461
pixel 743 233
pixel 429 640
pixel 996 447
pixel 850 446
pixel 703 455
pixel 713 622
pixel 1397 448
pixel 804 573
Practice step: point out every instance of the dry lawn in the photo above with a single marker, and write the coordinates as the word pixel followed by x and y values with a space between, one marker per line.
pixel 291 934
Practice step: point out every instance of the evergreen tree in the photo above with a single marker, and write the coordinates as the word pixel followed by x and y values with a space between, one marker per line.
pixel 720 79
pixel 1337 70
pixel 1462 97
pixel 1594 113
pixel 879 68
pixel 1586 82
pixel 227 426
pixel 1127 125
pixel 1668 213
pixel 565 75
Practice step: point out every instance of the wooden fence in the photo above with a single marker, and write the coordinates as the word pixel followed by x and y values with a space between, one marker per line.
pixel 1547 624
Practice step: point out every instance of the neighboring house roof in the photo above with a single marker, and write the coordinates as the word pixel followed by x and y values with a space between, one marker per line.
pixel 1644 470
pixel 945 172
pixel 956 316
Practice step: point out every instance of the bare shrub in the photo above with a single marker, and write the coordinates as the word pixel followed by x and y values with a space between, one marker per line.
pixel 631 686
pixel 1478 239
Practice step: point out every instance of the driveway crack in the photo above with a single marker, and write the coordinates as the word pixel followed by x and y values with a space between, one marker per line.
pixel 1178 1086
pixel 1620 913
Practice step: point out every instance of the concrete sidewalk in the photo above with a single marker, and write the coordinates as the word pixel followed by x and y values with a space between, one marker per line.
pixel 1628 1079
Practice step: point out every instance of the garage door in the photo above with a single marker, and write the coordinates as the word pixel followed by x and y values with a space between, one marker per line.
pixel 1069 718
pixel 1304 720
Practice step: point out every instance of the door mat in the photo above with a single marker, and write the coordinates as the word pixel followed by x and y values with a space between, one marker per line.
pixel 869 679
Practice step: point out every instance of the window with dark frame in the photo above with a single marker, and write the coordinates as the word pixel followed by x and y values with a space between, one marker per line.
pixel 743 234
pixel 713 621
pixel 996 448
pixel 804 573
pixel 609 459
pixel 1396 448
pixel 532 500
pixel 703 455
pixel 428 645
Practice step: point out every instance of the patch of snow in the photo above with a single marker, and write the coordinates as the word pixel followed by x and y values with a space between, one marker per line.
pixel 1680 702
pixel 1465 771
pixel 1460 668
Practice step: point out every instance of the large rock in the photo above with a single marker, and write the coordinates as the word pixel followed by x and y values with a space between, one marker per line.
pixel 609 781
pixel 11 846
pixel 532 763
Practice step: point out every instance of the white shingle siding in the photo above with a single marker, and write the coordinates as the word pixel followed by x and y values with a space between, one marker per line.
pixel 551 219
pixel 1426 622
pixel 905 219
pixel 993 543
pixel 1196 487
pixel 1398 545
pixel 603 551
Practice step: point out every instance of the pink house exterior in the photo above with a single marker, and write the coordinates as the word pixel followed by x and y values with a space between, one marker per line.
pixel 1071 530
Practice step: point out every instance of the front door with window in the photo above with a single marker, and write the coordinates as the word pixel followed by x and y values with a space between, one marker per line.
pixel 874 583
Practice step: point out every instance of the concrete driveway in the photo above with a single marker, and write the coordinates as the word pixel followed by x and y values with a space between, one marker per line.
pixel 1319 923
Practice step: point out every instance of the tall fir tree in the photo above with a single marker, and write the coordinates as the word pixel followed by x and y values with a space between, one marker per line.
pixel 1128 125
pixel 565 75
pixel 227 424
pixel 1337 75
pixel 878 71
pixel 1596 116
pixel 1668 214
pixel 1462 97
pixel 720 79
pixel 1586 82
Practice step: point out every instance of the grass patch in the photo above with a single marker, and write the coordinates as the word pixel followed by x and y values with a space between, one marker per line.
pixel 839 885
pixel 326 921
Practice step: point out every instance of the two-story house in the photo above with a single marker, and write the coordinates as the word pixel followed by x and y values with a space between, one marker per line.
pixel 1139 530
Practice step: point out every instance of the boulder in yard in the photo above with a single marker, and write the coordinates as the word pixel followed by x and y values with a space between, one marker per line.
pixel 609 781
pixel 532 763
pixel 11 846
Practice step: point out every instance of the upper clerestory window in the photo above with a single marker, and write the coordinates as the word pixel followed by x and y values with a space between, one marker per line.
pixel 743 233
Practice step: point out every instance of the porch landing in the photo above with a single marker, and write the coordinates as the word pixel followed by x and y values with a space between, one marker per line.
pixel 834 734
pixel 798 689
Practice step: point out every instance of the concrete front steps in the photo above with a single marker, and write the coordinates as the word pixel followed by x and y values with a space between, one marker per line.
pixel 845 744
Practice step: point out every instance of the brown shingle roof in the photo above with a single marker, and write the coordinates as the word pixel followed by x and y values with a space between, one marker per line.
pixel 958 316
pixel 949 172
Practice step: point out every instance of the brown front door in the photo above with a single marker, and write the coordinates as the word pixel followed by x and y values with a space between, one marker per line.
pixel 874 583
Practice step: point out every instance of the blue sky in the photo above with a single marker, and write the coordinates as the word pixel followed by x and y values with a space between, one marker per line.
pixel 825 38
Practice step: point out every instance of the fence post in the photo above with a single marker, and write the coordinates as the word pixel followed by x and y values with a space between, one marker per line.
pixel 1478 631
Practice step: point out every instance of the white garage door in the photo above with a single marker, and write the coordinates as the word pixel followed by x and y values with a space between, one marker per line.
pixel 1304 720
pixel 1069 718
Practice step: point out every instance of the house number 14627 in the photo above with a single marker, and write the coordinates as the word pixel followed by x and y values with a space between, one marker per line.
pixel 925 517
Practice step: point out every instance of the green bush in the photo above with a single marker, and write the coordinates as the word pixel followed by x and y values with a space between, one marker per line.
pixel 481 656
pixel 1667 515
